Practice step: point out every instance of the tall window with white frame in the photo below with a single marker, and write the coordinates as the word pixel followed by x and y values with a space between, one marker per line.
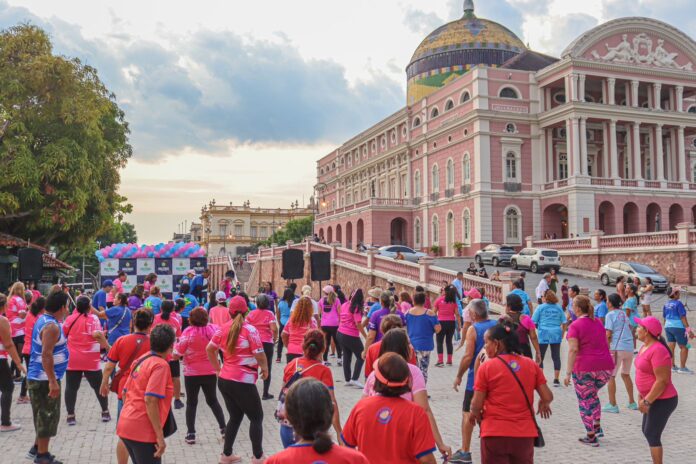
pixel 563 166
pixel 417 184
pixel 436 230
pixel 436 179
pixel 512 225
pixel 511 167
pixel 466 227
pixel 450 174
pixel 466 169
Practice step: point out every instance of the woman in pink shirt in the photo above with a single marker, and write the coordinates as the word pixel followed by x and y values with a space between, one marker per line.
pixel 349 331
pixel 172 318
pixel 85 338
pixel 264 320
pixel 220 315
pixel 329 309
pixel 243 356
pixel 657 397
pixel 7 350
pixel 16 314
pixel 447 311
pixel 36 309
pixel 301 320
pixel 589 364
pixel 199 374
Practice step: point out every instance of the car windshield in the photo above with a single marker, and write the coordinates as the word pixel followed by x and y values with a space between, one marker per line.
pixel 643 269
pixel 507 249
pixel 550 253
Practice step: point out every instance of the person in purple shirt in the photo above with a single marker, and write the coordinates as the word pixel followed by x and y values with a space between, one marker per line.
pixel 386 300
pixel 272 296
pixel 135 299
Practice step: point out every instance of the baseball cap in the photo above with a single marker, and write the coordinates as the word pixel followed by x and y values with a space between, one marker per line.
pixel 108 283
pixel 651 324
pixel 238 305
pixel 673 290
pixel 191 271
pixel 328 289
pixel 375 292
pixel 474 294
pixel 220 296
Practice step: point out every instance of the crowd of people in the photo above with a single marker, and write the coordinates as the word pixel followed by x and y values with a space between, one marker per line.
pixel 133 344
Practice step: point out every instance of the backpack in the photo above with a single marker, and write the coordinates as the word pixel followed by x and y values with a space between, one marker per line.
pixel 280 408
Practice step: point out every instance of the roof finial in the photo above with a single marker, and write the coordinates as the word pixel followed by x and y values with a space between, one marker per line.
pixel 469 8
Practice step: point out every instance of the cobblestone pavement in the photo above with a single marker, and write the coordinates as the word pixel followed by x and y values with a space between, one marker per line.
pixel 91 441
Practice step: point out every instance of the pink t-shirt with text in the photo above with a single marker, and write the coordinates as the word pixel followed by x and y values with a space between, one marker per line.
pixel 296 335
pixel 220 315
pixel 192 346
pixel 647 360
pixel 83 348
pixel 240 366
pixel 262 320
pixel 329 319
pixel 593 348
pixel 445 311
pixel 417 383
pixel 348 323
pixel 14 306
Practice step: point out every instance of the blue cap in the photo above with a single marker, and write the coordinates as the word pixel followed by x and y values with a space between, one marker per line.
pixel 108 283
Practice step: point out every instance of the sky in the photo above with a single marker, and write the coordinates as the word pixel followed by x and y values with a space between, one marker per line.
pixel 235 100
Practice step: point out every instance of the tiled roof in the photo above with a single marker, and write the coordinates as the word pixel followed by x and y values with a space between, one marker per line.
pixel 49 262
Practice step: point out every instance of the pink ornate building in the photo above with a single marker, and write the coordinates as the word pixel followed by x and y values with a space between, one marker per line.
pixel 498 142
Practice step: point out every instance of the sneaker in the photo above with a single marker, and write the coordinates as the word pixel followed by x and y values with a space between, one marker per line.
pixel 599 433
pixel 633 406
pixel 106 416
pixel 23 400
pixel 327 363
pixel 612 408
pixel 70 420
pixel 10 428
pixel 190 439
pixel 440 364
pixel 231 459
pixel 449 363
pixel 178 404
pixel 339 362
pixel 460 457
pixel 50 459
pixel 267 396
pixel 31 454
pixel 260 460
pixel 278 361
pixel 556 383
pixel 684 370
pixel 358 384
pixel 333 355
pixel 593 442
pixel 348 383
pixel 675 369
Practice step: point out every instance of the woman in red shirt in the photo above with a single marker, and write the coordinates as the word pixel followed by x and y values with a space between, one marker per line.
pixel 310 407
pixel 447 311
pixel 85 338
pixel 301 321
pixel 35 310
pixel 508 427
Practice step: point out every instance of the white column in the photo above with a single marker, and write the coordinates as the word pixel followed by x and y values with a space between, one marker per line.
pixel 604 92
pixel 634 93
pixel 657 92
pixel 659 154
pixel 542 100
pixel 576 147
pixel 542 158
pixel 680 98
pixel 612 91
pixel 681 154
pixel 583 147
pixel 568 88
pixel 574 86
pixel 613 150
pixel 605 150
pixel 550 158
pixel 627 92
pixel 672 153
pixel 637 164
pixel 581 87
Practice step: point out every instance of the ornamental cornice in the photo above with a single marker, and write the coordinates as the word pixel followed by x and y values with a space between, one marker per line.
pixel 615 112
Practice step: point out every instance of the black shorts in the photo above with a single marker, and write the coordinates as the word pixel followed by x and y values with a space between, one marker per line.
pixel 468 396
pixel 175 368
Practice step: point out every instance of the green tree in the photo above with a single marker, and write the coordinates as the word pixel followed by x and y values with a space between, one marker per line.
pixel 63 140
pixel 295 230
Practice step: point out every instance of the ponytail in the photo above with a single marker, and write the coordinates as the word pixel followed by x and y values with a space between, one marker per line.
pixel 322 442
pixel 661 340
pixel 233 335
pixel 331 298
pixel 167 308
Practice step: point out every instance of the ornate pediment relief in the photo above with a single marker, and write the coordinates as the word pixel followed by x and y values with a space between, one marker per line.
pixel 640 49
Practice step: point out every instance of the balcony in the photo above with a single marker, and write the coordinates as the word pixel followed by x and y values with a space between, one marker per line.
pixel 434 196
pixel 391 202
pixel 465 189
pixel 512 186
pixel 601 181
pixel 417 201
pixel 449 193
pixel 629 183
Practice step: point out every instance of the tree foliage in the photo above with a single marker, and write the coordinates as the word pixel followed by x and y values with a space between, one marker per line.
pixel 63 141
pixel 295 230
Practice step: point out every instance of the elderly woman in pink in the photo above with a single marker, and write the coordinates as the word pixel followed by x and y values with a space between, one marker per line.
pixel 199 374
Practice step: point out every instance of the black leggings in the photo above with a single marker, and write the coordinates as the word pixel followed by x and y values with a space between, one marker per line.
pixel 555 354
pixel 193 384
pixel 329 333
pixel 655 420
pixel 6 389
pixel 268 349
pixel 242 399
pixel 141 453
pixel 72 385
pixel 18 343
pixel 446 334
pixel 23 389
pixel 280 344
pixel 351 346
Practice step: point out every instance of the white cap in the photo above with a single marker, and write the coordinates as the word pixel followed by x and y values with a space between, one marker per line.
pixel 220 296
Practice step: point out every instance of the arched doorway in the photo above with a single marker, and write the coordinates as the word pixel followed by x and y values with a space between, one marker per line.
pixel 450 234
pixel 339 234
pixel 321 233
pixel 360 231
pixel 555 220
pixel 329 235
pixel 398 231
pixel 676 215
pixel 349 235
pixel 606 218
pixel 631 218
pixel 653 218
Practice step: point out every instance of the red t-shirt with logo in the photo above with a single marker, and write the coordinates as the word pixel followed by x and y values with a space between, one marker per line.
pixel 389 430
pixel 303 453
pixel 319 371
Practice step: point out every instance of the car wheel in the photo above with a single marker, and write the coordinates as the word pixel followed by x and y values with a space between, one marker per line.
pixel 605 280
pixel 513 264
pixel 534 268
pixel 495 262
pixel 478 259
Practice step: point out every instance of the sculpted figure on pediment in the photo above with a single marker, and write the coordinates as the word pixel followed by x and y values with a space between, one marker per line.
pixel 622 53
pixel 641 52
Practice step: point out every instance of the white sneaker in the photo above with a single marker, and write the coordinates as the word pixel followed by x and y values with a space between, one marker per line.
pixel 349 383
pixel 358 384
pixel 10 428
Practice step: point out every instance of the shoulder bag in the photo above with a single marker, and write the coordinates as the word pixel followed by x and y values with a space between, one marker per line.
pixel 116 381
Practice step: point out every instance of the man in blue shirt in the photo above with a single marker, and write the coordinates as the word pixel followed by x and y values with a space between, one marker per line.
pixel 99 298
pixel 458 283
pixel 191 302
pixel 526 301
pixel 199 284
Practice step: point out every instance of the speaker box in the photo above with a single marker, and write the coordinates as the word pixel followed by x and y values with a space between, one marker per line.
pixel 293 264
pixel 30 264
pixel 321 266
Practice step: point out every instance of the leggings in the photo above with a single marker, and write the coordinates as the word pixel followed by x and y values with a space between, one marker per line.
pixel 555 354
pixel 23 389
pixel 268 349
pixel 6 389
pixel 280 344
pixel 351 346
pixel 329 333
pixel 242 399
pixel 140 452
pixel 18 343
pixel 446 335
pixel 587 386
pixel 193 384
pixel 72 385
pixel 655 420
pixel 423 358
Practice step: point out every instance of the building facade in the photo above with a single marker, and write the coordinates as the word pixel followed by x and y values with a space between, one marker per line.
pixel 498 142
pixel 234 230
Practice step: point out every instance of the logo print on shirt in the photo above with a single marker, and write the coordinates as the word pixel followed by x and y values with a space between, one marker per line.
pixel 515 366
pixel 384 416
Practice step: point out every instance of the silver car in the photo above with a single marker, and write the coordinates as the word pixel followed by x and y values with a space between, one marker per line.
pixel 609 272
pixel 495 254
pixel 410 254
pixel 536 259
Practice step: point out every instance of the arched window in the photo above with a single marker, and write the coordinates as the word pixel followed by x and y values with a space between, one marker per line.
pixel 436 179
pixel 510 167
pixel 449 105
pixel 434 113
pixel 510 128
pixel 436 230
pixel 450 174
pixel 693 173
pixel 417 184
pixel 508 92
pixel 465 97
pixel 466 169
pixel 417 232
pixel 692 109
pixel 416 122
pixel 466 227
pixel 512 225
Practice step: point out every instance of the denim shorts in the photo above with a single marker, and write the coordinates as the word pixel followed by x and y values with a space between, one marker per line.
pixel 676 334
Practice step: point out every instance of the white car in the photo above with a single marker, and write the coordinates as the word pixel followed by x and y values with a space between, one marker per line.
pixel 536 259
pixel 410 254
